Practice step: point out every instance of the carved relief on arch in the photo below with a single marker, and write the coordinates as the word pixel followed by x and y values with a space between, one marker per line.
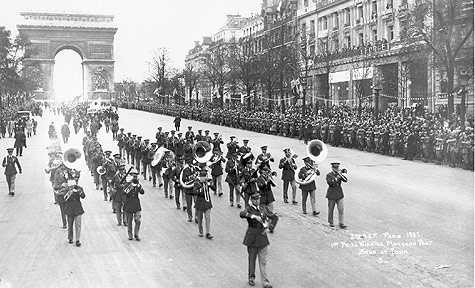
pixel 100 78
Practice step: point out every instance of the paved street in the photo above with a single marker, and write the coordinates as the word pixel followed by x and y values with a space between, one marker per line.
pixel 410 224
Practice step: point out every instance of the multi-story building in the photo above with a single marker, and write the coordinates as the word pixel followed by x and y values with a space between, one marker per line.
pixel 194 58
pixel 361 45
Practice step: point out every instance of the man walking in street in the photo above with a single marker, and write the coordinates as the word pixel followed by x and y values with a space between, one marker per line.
pixel 256 239
pixel 9 163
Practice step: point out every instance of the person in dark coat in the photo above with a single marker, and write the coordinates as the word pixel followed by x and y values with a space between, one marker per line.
pixel 217 171
pixel 256 240
pixel 203 203
pixel 65 132
pixel 9 163
pixel 73 209
pixel 132 207
pixel 308 170
pixel 20 142
pixel 264 184
pixel 335 194
pixel 232 178
pixel 177 122
pixel 288 166
pixel 248 179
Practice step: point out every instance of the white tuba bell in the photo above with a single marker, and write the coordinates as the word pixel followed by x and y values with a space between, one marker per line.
pixel 71 157
pixel 317 151
pixel 202 151
pixel 101 170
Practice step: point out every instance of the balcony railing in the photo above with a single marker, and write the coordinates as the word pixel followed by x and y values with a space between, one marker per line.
pixel 380 45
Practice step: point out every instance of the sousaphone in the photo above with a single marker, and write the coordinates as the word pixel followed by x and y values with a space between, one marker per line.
pixel 71 157
pixel 317 151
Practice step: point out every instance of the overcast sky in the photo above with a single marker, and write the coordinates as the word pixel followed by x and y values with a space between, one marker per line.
pixel 143 25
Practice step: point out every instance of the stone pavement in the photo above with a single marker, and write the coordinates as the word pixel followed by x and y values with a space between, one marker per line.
pixel 408 201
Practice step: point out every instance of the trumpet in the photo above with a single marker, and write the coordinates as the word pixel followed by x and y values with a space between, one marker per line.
pixel 340 173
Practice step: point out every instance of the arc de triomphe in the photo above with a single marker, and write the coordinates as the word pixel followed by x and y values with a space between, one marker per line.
pixel 91 36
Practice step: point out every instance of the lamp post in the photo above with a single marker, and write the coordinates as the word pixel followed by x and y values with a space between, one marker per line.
pixel 376 102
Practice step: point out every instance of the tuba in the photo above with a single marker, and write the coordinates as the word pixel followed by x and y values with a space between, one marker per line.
pixel 70 158
pixel 317 151
pixel 202 152
pixel 101 170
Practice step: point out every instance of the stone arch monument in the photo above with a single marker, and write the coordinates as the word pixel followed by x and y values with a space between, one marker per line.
pixel 91 36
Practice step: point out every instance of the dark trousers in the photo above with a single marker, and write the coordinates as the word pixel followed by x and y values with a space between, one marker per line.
pixel 189 204
pixel 104 187
pixel 178 190
pixel 63 215
pixel 76 222
pixel 253 253
pixel 19 150
pixel 118 212
pixel 136 217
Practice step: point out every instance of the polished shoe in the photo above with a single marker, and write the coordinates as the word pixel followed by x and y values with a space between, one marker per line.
pixel 209 236
pixel 78 243
pixel 137 237
pixel 13 193
pixel 304 212
pixel 178 207
pixel 232 204
pixel 189 220
pixel 131 237
pixel 10 193
pixel 315 213
pixel 150 178
pixel 220 194
pixel 105 199
pixel 102 188
pixel 201 234
pixel 64 226
pixel 113 211
pixel 238 205
pixel 251 282
pixel 119 224
pixel 160 185
pixel 286 201
pixel 184 208
pixel 171 197
pixel 343 226
pixel 331 225
pixel 295 202
pixel 71 241
pixel 267 285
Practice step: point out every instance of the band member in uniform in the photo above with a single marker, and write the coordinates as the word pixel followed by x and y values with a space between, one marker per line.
pixel 168 164
pixel 311 188
pixel 288 166
pixel 217 141
pixel 118 196
pixel 177 122
pixel 233 147
pixel 190 134
pixel 180 146
pixel 207 137
pixel 145 150
pixel 9 163
pixel 264 158
pixel 132 206
pixel 199 136
pixel 217 171
pixel 107 164
pixel 335 193
pixel 73 209
pixel 243 150
pixel 138 152
pixel 189 175
pixel 129 144
pixel 232 178
pixel 256 239
pixel 203 203
pixel 114 129
pixel 175 177
pixel 159 136
pixel 248 179
pixel 265 183
pixel 155 170
pixel 121 138
pixel 60 185
pixel 172 141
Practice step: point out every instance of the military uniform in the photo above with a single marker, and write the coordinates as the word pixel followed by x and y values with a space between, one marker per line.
pixel 132 207
pixel 9 162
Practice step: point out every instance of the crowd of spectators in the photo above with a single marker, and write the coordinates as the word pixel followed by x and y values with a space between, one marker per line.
pixel 411 133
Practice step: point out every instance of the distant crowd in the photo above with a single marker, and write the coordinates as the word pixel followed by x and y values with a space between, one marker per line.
pixel 411 133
